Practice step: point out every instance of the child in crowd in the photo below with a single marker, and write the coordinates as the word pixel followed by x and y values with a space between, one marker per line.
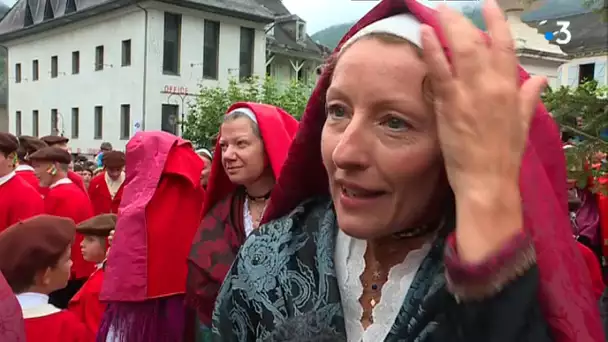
pixel 85 304
pixel 35 260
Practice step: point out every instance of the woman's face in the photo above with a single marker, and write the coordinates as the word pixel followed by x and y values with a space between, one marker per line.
pixel 379 142
pixel 242 151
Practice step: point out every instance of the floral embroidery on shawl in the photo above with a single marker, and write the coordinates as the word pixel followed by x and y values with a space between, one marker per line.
pixel 284 281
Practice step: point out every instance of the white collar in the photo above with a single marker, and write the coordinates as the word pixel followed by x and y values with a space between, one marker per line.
pixel 5 179
pixel 23 167
pixel 35 304
pixel 60 182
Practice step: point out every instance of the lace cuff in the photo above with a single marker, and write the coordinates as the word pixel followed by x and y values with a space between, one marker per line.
pixel 470 282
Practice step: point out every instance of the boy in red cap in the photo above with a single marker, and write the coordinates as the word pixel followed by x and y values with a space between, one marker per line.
pixel 64 199
pixel 18 200
pixel 105 190
pixel 62 143
pixel 27 146
pixel 85 304
pixel 35 259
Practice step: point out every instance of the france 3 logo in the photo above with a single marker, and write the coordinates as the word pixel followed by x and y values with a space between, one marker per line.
pixel 558 32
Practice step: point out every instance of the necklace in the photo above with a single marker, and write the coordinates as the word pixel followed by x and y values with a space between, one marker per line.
pixel 372 290
pixel 419 231
pixel 264 197
pixel 258 218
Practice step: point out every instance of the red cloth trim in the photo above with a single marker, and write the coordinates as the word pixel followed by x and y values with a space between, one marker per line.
pixel 595 270
pixel 461 272
pixel 148 255
pixel 542 185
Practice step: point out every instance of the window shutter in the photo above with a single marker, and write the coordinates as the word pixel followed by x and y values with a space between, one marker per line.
pixel 573 76
pixel 600 73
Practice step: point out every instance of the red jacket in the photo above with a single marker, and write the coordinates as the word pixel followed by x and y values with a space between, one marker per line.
pixel 77 180
pixel 66 200
pixel 101 199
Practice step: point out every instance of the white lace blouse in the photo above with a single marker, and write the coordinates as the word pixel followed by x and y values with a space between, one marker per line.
pixel 247 219
pixel 349 261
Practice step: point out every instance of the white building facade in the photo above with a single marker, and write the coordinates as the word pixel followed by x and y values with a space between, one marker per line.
pixel 136 67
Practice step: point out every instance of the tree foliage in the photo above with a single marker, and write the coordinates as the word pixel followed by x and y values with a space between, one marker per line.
pixel 582 113
pixel 206 112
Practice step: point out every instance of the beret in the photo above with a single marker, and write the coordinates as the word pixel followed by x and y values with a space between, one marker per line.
pixel 54 140
pixel 32 245
pixel 113 159
pixel 8 143
pixel 100 225
pixel 29 145
pixel 51 154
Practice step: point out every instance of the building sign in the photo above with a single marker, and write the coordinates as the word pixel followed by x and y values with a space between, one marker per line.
pixel 173 89
pixel 136 127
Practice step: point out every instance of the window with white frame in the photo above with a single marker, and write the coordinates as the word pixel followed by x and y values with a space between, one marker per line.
pixel 301 31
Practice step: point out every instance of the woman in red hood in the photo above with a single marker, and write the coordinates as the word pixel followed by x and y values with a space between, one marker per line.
pixel 420 201
pixel 253 144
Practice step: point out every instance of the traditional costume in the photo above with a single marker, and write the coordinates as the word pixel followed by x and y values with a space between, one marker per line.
pixel 106 193
pixel 27 146
pixel 65 199
pixel 293 267
pixel 30 247
pixel 18 199
pixel 224 227
pixel 595 270
pixel 145 274
pixel 55 140
pixel 11 318
pixel 85 304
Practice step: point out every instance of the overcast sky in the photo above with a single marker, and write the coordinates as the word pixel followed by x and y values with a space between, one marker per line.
pixel 320 14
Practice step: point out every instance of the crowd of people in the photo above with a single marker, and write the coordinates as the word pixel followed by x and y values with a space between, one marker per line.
pixel 428 203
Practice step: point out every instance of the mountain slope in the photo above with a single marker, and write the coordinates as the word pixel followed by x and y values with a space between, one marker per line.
pixel 331 36
pixel 551 9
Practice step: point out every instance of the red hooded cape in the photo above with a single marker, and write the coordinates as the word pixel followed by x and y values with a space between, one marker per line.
pixel 162 193
pixel 277 128
pixel 217 240
pixel 565 290
pixel 12 328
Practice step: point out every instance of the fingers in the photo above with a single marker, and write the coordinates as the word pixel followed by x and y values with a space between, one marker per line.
pixel 465 41
pixel 502 47
pixel 529 96
pixel 439 68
